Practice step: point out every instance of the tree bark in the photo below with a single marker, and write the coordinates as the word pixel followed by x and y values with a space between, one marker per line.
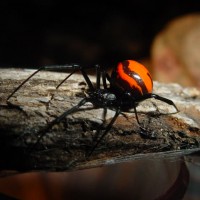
pixel 28 144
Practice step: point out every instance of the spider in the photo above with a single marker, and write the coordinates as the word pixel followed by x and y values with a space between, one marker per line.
pixel 129 84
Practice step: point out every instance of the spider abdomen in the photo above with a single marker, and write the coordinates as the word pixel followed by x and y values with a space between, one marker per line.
pixel 131 76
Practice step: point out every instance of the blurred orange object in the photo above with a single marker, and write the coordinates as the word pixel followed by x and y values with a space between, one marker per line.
pixel 175 51
pixel 141 179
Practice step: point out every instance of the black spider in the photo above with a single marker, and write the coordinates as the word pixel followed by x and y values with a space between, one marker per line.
pixel 129 84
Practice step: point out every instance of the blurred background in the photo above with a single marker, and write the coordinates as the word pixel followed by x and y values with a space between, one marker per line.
pixel 48 32
pixel 164 35
pixel 42 32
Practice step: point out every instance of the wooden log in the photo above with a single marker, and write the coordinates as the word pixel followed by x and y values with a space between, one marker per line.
pixel 66 145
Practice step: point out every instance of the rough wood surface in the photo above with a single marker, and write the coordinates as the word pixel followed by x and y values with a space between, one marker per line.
pixel 66 145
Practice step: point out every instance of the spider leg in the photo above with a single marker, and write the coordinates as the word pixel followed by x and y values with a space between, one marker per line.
pixel 65 79
pixel 101 126
pixel 100 74
pixel 109 126
pixel 136 115
pixel 147 96
pixel 52 96
pixel 104 113
pixel 78 67
pixel 108 77
pixel 155 96
pixel 58 119
pixel 88 81
pixel 104 77
pixel 69 111
pixel 20 85
pixel 168 101
pixel 71 66
pixel 144 132
pixel 98 77
pixel 82 69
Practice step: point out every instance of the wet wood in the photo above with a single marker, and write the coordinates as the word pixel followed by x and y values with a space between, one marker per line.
pixel 66 145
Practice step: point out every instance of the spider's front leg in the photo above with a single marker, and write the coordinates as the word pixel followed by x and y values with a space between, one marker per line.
pixel 145 133
pixel 57 120
pixel 160 98
pixel 163 99
pixel 107 129
pixel 73 67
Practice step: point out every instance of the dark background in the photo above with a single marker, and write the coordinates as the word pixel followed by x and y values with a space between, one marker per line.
pixel 58 32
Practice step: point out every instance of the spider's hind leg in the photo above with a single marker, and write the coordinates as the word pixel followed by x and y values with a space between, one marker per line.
pixel 49 68
pixel 20 85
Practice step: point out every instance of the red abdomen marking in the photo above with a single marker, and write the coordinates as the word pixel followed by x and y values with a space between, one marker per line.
pixel 133 77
